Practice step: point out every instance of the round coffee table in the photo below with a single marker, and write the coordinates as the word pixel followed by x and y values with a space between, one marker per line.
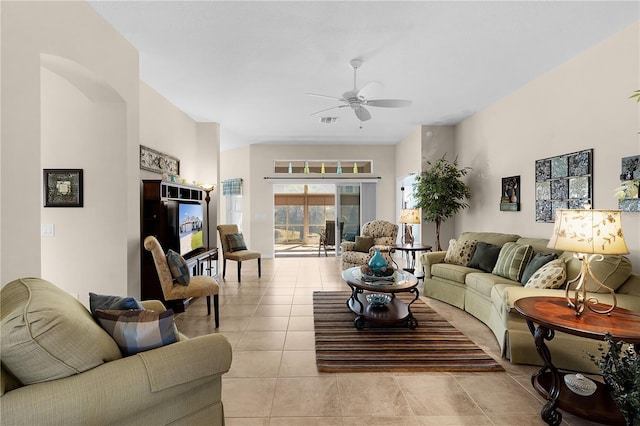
pixel 395 311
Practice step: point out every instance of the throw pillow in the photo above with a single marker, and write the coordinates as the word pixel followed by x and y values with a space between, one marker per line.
pixel 235 242
pixel 137 331
pixel 512 260
pixel 178 267
pixel 100 301
pixel 551 275
pixel 485 256
pixel 538 261
pixel 460 252
pixel 363 244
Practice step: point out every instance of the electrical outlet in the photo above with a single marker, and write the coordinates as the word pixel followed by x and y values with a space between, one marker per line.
pixel 47 230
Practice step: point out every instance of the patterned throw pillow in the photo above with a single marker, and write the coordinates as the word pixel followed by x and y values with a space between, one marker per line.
pixel 550 275
pixel 538 261
pixel 460 252
pixel 137 331
pixel 235 242
pixel 512 260
pixel 100 301
pixel 178 267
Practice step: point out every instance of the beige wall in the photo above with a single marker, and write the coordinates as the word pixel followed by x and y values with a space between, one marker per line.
pixel 580 105
pixel 32 34
pixel 255 163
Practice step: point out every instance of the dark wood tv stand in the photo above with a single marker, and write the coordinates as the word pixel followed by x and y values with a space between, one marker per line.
pixel 156 195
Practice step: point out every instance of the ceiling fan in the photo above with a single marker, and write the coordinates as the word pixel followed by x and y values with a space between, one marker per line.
pixel 357 101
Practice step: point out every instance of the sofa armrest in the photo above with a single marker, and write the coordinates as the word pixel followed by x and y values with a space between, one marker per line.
pixel 347 246
pixel 153 305
pixel 119 389
pixel 431 258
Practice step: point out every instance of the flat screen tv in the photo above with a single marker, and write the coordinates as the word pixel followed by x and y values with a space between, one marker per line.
pixel 190 217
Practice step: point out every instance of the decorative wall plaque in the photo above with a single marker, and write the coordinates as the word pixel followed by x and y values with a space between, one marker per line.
pixel 510 198
pixel 563 182
pixel 628 199
pixel 62 187
pixel 158 162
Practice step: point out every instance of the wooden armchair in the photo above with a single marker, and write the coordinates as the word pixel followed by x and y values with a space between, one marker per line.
pixel 199 285
pixel 235 251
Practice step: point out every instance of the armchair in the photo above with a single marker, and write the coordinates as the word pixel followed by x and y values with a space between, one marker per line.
pixel 59 367
pixel 384 236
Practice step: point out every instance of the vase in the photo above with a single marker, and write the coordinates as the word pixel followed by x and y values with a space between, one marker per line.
pixel 377 262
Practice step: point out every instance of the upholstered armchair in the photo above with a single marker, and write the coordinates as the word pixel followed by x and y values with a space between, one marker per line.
pixel 384 236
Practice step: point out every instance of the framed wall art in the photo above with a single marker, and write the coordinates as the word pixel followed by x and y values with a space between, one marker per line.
pixel 510 198
pixel 628 200
pixel 563 182
pixel 62 188
pixel 158 162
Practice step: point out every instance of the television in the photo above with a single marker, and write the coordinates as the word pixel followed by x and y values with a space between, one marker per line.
pixel 189 227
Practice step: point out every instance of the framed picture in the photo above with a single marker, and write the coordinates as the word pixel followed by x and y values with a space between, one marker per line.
pixel 62 187
pixel 510 198
pixel 156 161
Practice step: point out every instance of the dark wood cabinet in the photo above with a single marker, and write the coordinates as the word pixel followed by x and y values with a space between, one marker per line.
pixel 159 200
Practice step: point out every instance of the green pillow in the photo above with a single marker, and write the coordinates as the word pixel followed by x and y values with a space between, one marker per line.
pixel 512 260
pixel 363 244
pixel 235 242
pixel 178 267
pixel 538 261
pixel 485 256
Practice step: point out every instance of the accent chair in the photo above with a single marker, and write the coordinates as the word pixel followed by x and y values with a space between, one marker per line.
pixel 380 233
pixel 233 248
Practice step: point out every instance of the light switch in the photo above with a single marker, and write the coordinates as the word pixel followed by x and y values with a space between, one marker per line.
pixel 47 230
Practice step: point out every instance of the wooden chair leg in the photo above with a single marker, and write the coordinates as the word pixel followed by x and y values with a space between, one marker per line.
pixel 224 267
pixel 259 268
pixel 216 313
pixel 208 305
pixel 239 268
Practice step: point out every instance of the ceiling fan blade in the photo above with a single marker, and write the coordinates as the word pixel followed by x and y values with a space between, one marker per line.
pixel 362 92
pixel 328 109
pixel 389 103
pixel 362 113
pixel 325 96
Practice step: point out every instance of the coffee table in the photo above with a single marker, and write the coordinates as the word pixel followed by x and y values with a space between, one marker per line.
pixel 396 311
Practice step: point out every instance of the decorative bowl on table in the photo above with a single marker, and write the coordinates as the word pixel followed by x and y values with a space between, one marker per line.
pixel 378 300
pixel 368 275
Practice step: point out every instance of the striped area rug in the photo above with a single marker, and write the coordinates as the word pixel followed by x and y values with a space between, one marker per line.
pixel 435 345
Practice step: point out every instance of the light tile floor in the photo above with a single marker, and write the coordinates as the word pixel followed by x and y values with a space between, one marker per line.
pixel 273 378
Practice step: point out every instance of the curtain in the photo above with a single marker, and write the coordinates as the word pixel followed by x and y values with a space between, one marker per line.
pixel 232 186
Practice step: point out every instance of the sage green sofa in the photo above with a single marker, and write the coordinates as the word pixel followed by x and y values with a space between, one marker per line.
pixel 491 298
pixel 59 367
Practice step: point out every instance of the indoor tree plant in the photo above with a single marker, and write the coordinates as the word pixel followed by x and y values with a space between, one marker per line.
pixel 440 192
pixel 620 369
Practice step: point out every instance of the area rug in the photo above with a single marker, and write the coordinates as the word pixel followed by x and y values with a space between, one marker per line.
pixel 435 345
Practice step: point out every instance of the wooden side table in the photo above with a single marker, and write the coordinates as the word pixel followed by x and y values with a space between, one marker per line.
pixel 411 250
pixel 552 314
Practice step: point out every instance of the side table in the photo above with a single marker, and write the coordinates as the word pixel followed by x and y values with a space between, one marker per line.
pixel 551 314
pixel 411 250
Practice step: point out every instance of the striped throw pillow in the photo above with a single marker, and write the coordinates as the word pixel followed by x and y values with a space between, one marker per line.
pixel 137 331
pixel 512 260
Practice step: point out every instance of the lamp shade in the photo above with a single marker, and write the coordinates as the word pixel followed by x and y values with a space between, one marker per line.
pixel 409 216
pixel 208 187
pixel 588 231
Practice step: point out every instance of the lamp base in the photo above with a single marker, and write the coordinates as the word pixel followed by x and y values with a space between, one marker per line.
pixel 408 234
pixel 580 299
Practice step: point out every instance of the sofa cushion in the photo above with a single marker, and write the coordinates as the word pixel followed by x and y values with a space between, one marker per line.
pixel 485 256
pixel 47 334
pixel 138 331
pixel 551 275
pixel 539 260
pixel 178 267
pixel 539 245
pixel 460 252
pixel 451 272
pixel 483 282
pixel 612 271
pixel 363 244
pixel 512 260
pixel 101 301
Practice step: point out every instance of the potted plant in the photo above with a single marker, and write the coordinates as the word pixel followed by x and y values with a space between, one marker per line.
pixel 620 369
pixel 440 192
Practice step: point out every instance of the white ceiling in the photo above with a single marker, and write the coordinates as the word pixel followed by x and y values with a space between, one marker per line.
pixel 247 65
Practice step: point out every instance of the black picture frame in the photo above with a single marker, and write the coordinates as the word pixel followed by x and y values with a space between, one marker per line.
pixel 62 187
pixel 510 197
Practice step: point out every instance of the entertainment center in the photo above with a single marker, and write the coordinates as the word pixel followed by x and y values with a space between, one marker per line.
pixel 174 214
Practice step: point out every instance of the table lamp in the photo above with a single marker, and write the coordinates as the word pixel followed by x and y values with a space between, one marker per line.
pixel 408 217
pixel 590 234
